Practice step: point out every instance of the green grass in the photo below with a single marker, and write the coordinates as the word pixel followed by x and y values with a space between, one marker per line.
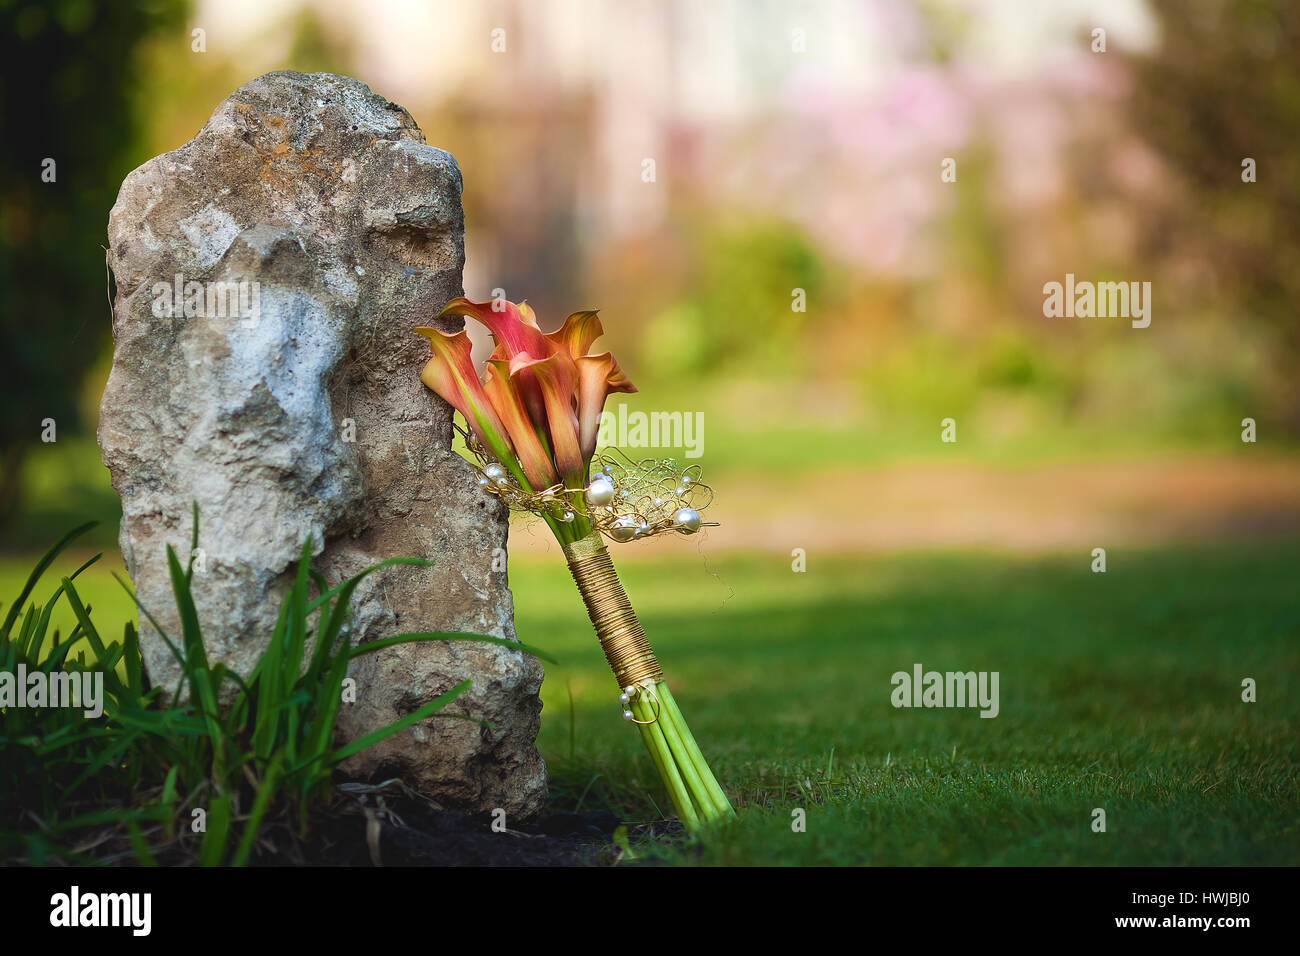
pixel 1118 690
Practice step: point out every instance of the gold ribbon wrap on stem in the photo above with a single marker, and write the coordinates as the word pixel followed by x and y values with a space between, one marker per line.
pixel 621 636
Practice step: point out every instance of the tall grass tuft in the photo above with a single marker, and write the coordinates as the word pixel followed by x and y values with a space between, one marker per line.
pixel 129 784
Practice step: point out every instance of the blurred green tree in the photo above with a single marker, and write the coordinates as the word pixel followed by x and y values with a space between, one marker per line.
pixel 1223 88
pixel 745 303
pixel 65 106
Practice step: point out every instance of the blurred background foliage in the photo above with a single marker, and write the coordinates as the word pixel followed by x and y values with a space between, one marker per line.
pixel 776 169
pixel 71 78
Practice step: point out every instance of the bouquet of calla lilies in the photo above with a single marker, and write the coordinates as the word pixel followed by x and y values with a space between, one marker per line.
pixel 533 418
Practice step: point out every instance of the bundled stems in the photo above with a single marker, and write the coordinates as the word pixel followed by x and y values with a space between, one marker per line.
pixel 649 703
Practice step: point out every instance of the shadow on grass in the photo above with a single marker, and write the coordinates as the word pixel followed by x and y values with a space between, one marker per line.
pixel 1120 691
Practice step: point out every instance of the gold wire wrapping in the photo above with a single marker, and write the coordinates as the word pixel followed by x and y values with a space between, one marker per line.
pixel 620 633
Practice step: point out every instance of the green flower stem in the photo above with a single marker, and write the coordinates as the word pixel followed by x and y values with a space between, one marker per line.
pixel 657 744
pixel 713 795
pixel 693 789
pixel 682 758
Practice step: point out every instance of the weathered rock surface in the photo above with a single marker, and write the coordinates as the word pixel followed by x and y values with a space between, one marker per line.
pixel 302 414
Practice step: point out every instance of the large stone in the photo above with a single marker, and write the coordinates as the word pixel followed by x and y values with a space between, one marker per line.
pixel 303 415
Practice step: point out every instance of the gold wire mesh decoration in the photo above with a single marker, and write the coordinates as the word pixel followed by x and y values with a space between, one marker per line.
pixel 649 494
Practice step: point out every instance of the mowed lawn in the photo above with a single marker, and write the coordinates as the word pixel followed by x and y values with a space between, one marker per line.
pixel 1119 691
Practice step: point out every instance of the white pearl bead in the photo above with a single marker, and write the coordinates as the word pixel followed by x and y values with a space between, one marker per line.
pixel 629 690
pixel 689 519
pixel 627 715
pixel 494 471
pixel 600 492
pixel 624 528
pixel 482 482
pixel 623 698
pixel 502 481
pixel 607 470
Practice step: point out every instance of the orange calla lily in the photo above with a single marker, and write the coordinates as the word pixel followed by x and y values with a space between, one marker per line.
pixel 541 397
pixel 598 375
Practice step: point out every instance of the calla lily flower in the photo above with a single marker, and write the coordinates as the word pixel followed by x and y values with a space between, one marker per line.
pixel 540 401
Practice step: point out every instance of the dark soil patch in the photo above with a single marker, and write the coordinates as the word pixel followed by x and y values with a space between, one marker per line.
pixel 410 832
pixel 386 825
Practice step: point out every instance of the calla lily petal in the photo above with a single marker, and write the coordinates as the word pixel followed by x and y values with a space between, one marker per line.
pixel 598 375
pixel 450 373
pixel 556 376
pixel 513 326
pixel 527 315
pixel 533 455
pixel 577 333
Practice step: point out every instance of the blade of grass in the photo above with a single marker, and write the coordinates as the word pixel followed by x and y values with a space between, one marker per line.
pixel 432 707
pixel 265 793
pixel 39 570
pixel 378 645
pixel 213 847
